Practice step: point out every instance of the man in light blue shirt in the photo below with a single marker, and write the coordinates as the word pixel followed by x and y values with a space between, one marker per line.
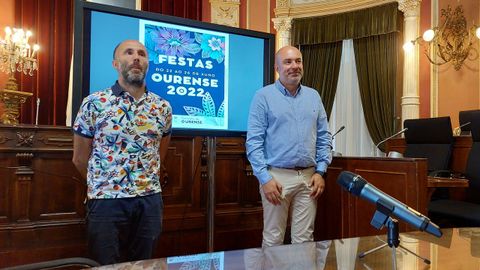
pixel 289 147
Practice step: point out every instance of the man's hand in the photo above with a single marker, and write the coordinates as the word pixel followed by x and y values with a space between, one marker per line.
pixel 273 191
pixel 317 184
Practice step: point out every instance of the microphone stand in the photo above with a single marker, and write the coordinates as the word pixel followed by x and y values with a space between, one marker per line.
pixel 338 131
pixel 458 130
pixel 382 218
pixel 394 135
pixel 333 136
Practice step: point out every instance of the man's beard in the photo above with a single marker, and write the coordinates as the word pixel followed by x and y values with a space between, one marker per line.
pixel 131 78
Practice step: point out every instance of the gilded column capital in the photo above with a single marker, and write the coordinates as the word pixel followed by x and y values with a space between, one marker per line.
pixel 283 3
pixel 226 12
pixel 283 24
pixel 409 7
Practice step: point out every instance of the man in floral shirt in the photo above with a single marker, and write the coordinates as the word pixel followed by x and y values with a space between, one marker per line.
pixel 121 136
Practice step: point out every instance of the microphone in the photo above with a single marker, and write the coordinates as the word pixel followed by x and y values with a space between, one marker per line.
pixel 358 186
pixel 394 135
pixel 338 131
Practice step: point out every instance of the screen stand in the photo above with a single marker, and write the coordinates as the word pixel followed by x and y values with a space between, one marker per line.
pixel 382 218
pixel 211 158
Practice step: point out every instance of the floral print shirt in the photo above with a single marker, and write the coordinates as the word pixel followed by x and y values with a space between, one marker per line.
pixel 126 133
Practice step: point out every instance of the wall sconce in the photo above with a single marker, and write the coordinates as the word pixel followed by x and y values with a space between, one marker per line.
pixel 449 42
pixel 16 55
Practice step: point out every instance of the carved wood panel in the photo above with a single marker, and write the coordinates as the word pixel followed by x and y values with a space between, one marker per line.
pixel 42 211
pixel 238 214
pixel 404 179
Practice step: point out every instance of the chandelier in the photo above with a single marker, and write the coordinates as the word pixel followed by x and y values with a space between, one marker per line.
pixel 449 42
pixel 16 55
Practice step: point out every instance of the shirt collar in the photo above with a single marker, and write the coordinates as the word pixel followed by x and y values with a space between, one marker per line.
pixel 284 90
pixel 118 90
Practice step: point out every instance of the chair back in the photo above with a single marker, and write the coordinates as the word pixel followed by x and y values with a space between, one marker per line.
pixel 430 138
pixel 464 118
pixel 472 170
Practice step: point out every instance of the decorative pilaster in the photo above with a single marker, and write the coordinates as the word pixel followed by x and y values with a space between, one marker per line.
pixel 410 98
pixel 282 8
pixel 412 244
pixel 283 3
pixel 226 12
pixel 23 185
pixel 283 26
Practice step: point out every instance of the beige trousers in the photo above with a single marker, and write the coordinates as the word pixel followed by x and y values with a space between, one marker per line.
pixel 296 200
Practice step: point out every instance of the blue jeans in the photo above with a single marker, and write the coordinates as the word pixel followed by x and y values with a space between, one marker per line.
pixel 124 229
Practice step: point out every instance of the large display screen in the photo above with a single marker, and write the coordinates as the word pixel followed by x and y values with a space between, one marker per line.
pixel 209 73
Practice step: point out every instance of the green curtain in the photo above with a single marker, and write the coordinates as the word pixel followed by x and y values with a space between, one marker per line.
pixel 321 64
pixel 373 21
pixel 374 31
pixel 376 60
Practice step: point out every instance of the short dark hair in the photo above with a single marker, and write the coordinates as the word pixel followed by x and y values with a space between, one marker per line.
pixel 116 48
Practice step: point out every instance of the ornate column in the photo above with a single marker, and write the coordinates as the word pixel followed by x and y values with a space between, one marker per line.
pixel 410 98
pixel 412 244
pixel 282 23
pixel 226 12
pixel 283 26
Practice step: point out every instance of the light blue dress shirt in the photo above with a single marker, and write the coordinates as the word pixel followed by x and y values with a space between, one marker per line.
pixel 286 131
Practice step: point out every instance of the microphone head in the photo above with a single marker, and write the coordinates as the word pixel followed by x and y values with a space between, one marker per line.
pixel 351 182
pixel 433 228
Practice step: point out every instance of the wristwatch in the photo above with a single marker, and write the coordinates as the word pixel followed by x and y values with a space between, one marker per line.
pixel 322 173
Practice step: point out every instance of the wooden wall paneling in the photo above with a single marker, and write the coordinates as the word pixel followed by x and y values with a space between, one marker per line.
pixel 392 183
pixel 227 192
pixel 23 186
pixel 7 180
pixel 238 218
pixel 46 209
pixel 184 226
pixel 42 216
pixel 403 179
pixel 29 244
pixel 331 205
pixel 461 149
pixel 57 195
pixel 183 167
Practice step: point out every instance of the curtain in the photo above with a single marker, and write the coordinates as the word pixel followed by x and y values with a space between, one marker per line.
pixel 374 32
pixel 376 60
pixel 373 21
pixel 355 139
pixel 190 9
pixel 52 24
pixel 321 63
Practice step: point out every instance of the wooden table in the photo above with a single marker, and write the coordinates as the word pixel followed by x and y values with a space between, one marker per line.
pixel 448 182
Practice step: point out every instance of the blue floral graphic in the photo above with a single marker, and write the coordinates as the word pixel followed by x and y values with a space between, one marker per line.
pixel 180 43
pixel 212 46
pixel 171 42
